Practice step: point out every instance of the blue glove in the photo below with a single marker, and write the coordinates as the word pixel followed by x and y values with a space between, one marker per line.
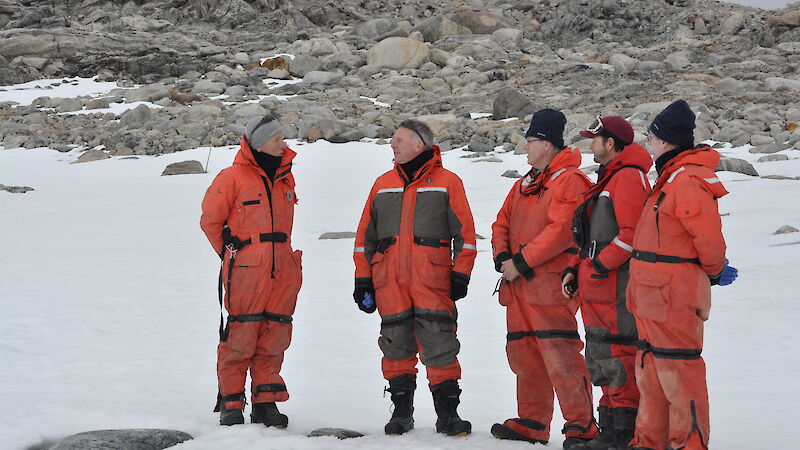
pixel 728 274
pixel 364 295
pixel 369 300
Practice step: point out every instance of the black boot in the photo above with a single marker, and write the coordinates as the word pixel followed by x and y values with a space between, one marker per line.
pixel 607 439
pixel 229 417
pixel 268 414
pixel 624 424
pixel 402 389
pixel 445 401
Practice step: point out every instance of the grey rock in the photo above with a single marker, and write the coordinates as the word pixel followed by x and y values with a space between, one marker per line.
pixel 198 112
pixel 69 104
pixel 183 168
pixel 786 229
pixel 717 59
pixel 736 165
pixel 208 87
pixel 774 157
pixel 758 140
pixel 479 143
pixel 511 35
pixel 443 58
pixel 511 174
pixel 732 24
pixel 303 64
pixel 149 93
pixel 678 60
pixel 438 27
pixel 15 189
pixel 769 148
pixel 650 66
pixel 239 91
pixel 480 23
pixel 334 235
pixel 374 28
pixel 340 433
pixel 279 74
pixel 398 53
pixel 91 155
pixel 98 103
pixel 247 111
pixel 492 159
pixel 241 58
pixel 135 117
pixel 779 83
pixel 623 63
pixel 510 102
pixel 791 48
pixel 323 77
pixel 135 439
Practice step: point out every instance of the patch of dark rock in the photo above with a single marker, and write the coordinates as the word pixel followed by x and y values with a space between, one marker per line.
pixel 184 168
pixel 337 235
pixel 15 189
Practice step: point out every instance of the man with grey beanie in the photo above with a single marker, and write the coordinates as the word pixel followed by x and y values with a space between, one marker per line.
pixel 247 216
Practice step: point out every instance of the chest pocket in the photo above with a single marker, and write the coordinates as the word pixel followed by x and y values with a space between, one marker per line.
pixel 254 209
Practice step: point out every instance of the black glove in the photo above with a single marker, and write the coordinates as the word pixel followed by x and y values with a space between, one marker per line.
pixel 230 239
pixel 498 260
pixel 458 285
pixel 364 295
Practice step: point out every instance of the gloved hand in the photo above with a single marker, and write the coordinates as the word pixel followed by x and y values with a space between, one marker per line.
pixel 364 295
pixel 728 274
pixel 458 285
pixel 498 260
pixel 230 239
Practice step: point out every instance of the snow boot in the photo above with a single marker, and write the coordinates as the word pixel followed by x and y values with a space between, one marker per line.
pixel 503 431
pixel 624 424
pixel 445 401
pixel 268 414
pixel 576 443
pixel 607 439
pixel 227 416
pixel 402 388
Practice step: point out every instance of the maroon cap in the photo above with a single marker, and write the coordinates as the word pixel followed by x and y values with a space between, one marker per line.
pixel 616 126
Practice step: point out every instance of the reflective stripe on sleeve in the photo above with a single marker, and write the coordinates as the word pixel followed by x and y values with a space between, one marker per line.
pixel 675 174
pixel 711 180
pixel 622 245
pixel 471 247
pixel 432 189
pixel 555 175
pixel 359 249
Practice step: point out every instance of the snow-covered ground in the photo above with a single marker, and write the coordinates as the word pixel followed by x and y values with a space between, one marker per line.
pixel 110 315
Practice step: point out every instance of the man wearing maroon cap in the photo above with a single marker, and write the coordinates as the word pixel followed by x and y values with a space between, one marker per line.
pixel 603 228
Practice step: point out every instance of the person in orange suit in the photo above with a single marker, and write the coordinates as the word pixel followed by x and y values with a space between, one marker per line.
pixel 247 216
pixel 414 252
pixel 679 253
pixel 603 229
pixel 532 245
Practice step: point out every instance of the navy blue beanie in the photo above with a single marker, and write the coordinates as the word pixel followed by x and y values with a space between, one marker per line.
pixel 548 124
pixel 675 124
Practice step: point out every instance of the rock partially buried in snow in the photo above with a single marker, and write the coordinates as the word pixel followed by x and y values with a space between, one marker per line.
pixel 774 157
pixel 135 439
pixel 15 189
pixel 337 235
pixel 511 174
pixel 91 155
pixel 736 165
pixel 340 433
pixel 786 229
pixel 183 168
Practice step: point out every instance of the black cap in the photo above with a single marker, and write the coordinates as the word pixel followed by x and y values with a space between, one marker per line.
pixel 675 124
pixel 548 124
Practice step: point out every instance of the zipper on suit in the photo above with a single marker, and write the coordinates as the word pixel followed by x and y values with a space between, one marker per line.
pixel 272 224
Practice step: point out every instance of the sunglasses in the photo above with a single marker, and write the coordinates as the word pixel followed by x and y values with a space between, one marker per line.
pixel 596 126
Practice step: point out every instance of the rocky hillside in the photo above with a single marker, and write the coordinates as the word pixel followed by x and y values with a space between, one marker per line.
pixel 200 61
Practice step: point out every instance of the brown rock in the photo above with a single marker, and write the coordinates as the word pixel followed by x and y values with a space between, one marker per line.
pixel 183 98
pixel 275 63
pixel 313 134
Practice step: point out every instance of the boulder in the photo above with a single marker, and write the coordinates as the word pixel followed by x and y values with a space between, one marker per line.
pixel 778 83
pixel 134 439
pixel 149 93
pixel 247 111
pixel 183 168
pixel 91 155
pixel 438 27
pixel 510 102
pixel 623 63
pixel 303 64
pixel 773 157
pixel 374 28
pixel 786 229
pixel 732 24
pixel 440 124
pixel 323 77
pixel 15 189
pixel 398 53
pixel 736 165
pixel 198 112
pixel 208 87
pixel 340 433
pixel 511 35
pixel 480 23
pixel 136 117
pixel 769 148
pixel 68 104
pixel 511 174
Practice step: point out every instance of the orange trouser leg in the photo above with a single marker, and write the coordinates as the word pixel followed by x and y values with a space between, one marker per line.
pixel 684 383
pixel 546 358
pixel 652 422
pixel 233 359
pixel 267 384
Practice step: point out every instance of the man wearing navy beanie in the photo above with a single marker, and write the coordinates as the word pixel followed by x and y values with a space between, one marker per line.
pixel 532 244
pixel 678 254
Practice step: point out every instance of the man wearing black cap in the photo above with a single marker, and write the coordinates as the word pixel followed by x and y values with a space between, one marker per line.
pixel 532 245
pixel 603 228
pixel 679 253
pixel 247 216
